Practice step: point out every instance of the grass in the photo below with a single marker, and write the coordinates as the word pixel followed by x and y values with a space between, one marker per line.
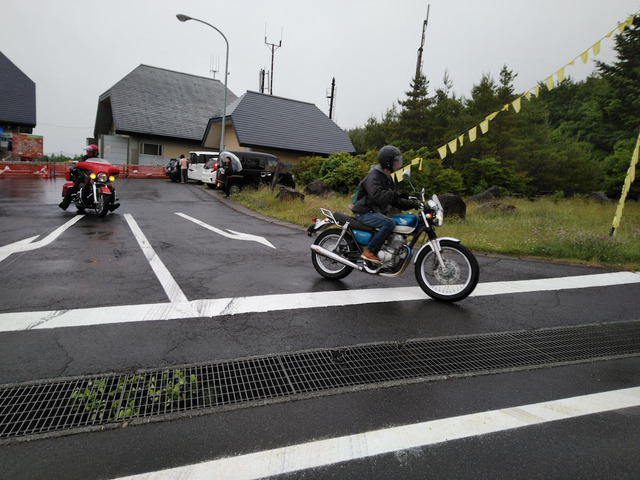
pixel 575 230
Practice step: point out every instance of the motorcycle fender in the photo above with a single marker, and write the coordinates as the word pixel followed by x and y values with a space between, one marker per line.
pixel 65 187
pixel 428 245
pixel 105 190
pixel 319 225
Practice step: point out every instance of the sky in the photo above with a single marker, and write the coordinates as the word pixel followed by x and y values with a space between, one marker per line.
pixel 75 50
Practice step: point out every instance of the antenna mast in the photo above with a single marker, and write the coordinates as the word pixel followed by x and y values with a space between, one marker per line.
pixel 424 30
pixel 214 69
pixel 273 51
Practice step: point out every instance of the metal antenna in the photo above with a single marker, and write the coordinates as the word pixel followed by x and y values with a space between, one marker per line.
pixel 214 69
pixel 424 30
pixel 273 51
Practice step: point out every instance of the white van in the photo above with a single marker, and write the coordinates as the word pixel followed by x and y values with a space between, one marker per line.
pixel 197 161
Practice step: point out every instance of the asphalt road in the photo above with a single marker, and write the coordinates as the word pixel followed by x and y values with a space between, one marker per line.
pixel 101 297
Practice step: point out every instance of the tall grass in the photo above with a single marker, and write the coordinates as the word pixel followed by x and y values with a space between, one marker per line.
pixel 574 230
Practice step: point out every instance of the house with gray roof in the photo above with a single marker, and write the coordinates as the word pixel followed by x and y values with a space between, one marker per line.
pixel 289 129
pixel 154 114
pixel 17 102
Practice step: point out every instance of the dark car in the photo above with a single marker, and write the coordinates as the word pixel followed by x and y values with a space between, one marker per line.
pixel 172 170
pixel 258 169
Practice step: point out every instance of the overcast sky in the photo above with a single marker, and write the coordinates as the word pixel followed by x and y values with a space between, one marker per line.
pixel 75 50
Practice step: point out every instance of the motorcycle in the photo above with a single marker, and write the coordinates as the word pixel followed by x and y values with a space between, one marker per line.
pixel 96 189
pixel 445 269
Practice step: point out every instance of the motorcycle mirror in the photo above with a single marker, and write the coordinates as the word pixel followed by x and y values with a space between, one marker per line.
pixel 406 175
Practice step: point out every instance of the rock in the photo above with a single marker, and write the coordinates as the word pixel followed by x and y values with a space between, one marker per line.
pixel 453 205
pixel 288 193
pixel 599 197
pixel 317 187
pixel 495 207
pixel 486 196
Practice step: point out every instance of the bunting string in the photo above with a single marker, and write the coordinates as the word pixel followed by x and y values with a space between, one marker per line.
pixel 559 75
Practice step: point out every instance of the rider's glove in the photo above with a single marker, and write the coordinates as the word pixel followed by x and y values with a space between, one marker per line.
pixel 403 195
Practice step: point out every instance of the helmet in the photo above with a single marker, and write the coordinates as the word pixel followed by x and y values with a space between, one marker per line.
pixel 91 151
pixel 389 157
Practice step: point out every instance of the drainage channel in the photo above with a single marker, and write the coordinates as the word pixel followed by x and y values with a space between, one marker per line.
pixel 61 406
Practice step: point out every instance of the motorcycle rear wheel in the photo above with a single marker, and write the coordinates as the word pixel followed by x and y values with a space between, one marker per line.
pixel 327 267
pixel 102 207
pixel 456 281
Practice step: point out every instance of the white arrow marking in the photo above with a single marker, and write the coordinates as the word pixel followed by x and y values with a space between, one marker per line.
pixel 26 244
pixel 229 233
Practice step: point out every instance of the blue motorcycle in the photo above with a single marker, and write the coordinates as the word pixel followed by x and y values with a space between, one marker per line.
pixel 445 269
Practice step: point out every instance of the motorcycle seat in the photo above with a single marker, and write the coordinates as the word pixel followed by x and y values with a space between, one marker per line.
pixel 341 218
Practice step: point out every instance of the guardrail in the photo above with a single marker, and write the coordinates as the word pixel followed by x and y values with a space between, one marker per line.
pixel 51 170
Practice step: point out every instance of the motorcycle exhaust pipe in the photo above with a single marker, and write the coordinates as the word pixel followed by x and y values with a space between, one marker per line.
pixel 333 256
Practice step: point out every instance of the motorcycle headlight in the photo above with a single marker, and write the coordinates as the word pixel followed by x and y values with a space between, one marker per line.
pixel 439 218
pixel 102 177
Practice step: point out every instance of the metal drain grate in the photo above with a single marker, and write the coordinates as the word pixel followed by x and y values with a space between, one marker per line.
pixel 58 405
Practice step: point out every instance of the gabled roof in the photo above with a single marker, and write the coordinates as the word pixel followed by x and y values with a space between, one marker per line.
pixel 261 120
pixel 17 95
pixel 159 102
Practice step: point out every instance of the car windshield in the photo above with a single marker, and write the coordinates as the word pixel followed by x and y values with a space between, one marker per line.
pixel 210 163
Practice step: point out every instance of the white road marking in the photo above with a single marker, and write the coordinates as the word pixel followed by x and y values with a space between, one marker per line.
pixel 379 442
pixel 169 285
pixel 181 309
pixel 229 233
pixel 28 243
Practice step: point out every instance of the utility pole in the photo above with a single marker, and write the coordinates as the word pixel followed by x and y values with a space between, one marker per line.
pixel 424 30
pixel 332 97
pixel 261 80
pixel 273 51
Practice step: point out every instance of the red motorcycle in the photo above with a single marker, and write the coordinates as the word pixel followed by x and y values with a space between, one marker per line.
pixel 91 184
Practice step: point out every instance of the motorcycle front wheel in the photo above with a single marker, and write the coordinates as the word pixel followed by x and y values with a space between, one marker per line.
pixel 456 280
pixel 102 207
pixel 327 267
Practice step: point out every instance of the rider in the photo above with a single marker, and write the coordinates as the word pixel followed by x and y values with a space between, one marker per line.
pixel 90 151
pixel 376 193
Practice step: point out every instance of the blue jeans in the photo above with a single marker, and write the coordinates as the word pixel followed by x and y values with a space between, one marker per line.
pixel 377 220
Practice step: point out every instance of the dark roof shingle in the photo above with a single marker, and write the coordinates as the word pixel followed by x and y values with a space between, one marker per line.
pixel 17 95
pixel 155 101
pixel 262 120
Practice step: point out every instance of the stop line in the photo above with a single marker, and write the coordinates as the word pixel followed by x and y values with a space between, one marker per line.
pixel 216 307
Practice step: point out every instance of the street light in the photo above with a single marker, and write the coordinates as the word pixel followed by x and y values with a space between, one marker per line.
pixel 184 18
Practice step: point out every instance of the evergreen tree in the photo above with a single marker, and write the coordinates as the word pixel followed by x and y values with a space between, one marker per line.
pixel 414 116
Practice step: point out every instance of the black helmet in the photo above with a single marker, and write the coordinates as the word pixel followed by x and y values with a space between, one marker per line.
pixel 389 157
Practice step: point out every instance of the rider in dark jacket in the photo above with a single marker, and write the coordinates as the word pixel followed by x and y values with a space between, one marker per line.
pixel 90 151
pixel 376 194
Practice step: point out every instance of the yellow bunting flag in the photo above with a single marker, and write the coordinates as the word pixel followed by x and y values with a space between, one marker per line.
pixel 461 140
pixel 596 48
pixel 491 116
pixel 549 83
pixel 584 56
pixel 516 104
pixel 473 133
pixel 631 175
pixel 505 108
pixel 453 145
pixel 536 90
pixel 442 151
pixel 484 126
pixel 560 74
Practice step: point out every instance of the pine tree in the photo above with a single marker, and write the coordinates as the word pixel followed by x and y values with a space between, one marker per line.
pixel 414 116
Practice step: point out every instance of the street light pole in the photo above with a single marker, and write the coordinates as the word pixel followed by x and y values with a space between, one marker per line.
pixel 184 18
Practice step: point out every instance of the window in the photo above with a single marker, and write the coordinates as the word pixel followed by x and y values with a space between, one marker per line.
pixel 151 149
